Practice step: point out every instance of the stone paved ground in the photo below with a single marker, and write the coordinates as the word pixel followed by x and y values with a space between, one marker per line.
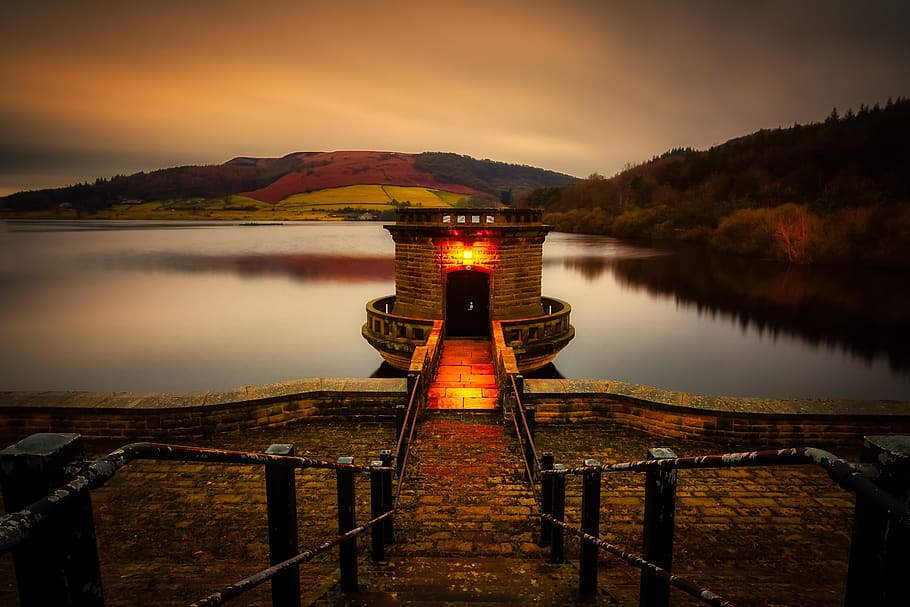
pixel 169 533
pixel 465 378
pixel 459 462
pixel 758 536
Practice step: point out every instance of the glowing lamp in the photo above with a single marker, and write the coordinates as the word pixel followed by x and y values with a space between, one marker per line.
pixel 468 255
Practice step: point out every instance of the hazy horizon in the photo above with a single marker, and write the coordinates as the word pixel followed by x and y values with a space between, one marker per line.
pixel 95 89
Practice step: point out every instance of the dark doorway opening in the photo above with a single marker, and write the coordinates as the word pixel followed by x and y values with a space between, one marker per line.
pixel 468 304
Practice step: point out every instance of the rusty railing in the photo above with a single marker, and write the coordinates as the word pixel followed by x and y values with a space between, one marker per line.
pixel 880 544
pixel 49 526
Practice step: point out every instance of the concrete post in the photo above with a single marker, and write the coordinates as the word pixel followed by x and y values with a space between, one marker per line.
pixel 657 536
pixel 557 543
pixel 376 510
pixel 388 525
pixel 880 549
pixel 546 498
pixel 281 507
pixel 346 521
pixel 590 524
pixel 58 563
pixel 412 384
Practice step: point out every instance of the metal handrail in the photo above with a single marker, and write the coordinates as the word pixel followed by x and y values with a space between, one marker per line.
pixel 523 432
pixel 840 471
pixel 248 583
pixel 409 430
pixel 15 527
pixel 703 594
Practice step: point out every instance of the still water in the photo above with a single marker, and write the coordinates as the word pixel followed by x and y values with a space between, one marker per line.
pixel 178 306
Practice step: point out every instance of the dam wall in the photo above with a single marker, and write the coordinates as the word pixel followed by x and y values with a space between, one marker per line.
pixel 663 413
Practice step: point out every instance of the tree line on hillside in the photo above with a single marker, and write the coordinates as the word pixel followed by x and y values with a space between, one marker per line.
pixel 207 181
pixel 493 181
pixel 500 180
pixel 829 192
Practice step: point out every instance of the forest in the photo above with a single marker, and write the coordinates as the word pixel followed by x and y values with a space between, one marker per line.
pixel 834 191
pixel 498 179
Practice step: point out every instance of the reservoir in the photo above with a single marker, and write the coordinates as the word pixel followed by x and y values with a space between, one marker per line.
pixel 187 306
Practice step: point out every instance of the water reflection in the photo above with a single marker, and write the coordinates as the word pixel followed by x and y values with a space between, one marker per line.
pixel 300 266
pixel 145 306
pixel 107 225
pixel 865 312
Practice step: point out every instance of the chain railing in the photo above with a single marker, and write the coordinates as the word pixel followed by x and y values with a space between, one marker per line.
pixel 49 527
pixel 880 545
pixel 46 488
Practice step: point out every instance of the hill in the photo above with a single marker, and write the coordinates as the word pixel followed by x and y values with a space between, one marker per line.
pixel 325 170
pixel 833 191
pixel 250 181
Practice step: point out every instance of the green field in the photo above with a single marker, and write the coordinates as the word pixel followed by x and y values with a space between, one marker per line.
pixel 320 204
pixel 370 197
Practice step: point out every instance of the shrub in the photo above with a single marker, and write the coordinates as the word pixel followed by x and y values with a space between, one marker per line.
pixel 745 232
pixel 793 227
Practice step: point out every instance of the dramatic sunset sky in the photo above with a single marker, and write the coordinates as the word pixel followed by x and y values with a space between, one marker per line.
pixel 94 88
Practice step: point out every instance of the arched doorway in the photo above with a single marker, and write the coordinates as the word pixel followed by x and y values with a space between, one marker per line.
pixel 467 304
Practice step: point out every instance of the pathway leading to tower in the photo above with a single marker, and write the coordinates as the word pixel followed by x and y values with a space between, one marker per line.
pixel 465 379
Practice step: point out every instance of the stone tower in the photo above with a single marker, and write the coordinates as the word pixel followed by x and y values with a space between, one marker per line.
pixel 478 270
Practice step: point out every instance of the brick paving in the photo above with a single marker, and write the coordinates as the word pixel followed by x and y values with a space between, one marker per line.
pixel 456 466
pixel 758 536
pixel 170 533
pixel 466 525
pixel 465 378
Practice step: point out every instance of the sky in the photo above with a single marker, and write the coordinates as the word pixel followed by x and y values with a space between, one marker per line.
pixel 97 88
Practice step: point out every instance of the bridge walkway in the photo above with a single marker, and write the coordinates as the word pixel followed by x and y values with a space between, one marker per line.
pixel 465 378
pixel 467 520
pixel 466 525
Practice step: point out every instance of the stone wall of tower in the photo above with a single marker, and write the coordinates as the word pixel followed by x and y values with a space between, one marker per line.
pixel 511 254
pixel 418 281
pixel 516 285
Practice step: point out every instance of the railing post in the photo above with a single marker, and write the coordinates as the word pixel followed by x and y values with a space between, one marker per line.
pixel 388 525
pixel 546 498
pixel 590 524
pixel 348 549
pixel 657 536
pixel 400 413
pixel 557 543
pixel 281 509
pixel 58 564
pixel 412 383
pixel 879 549
pixel 376 500
pixel 528 441
pixel 520 385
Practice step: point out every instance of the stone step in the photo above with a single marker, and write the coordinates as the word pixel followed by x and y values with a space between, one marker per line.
pixel 465 379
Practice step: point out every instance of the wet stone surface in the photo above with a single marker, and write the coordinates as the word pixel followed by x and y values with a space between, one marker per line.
pixel 171 533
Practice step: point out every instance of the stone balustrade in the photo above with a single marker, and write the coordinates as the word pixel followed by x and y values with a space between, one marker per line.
pixel 394 336
pixel 538 339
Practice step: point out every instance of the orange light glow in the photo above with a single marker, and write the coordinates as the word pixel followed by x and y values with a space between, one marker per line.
pixel 467 255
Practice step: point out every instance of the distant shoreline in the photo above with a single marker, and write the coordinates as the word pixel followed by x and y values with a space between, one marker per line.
pixel 260 218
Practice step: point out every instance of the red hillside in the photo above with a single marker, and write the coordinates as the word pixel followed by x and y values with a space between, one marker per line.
pixel 321 170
